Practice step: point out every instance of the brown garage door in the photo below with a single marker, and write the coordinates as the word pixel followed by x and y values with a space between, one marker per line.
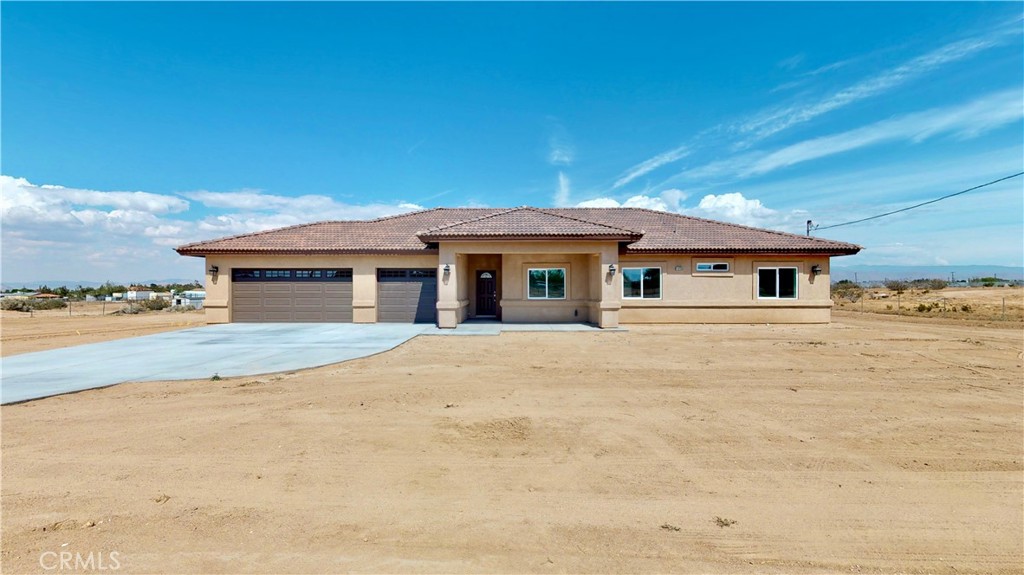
pixel 291 295
pixel 407 295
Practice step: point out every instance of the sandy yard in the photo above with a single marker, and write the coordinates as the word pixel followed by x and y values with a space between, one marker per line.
pixel 874 444
pixel 1004 304
pixel 50 329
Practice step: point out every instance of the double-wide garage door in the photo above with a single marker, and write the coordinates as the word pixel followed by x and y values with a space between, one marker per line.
pixel 291 295
pixel 407 295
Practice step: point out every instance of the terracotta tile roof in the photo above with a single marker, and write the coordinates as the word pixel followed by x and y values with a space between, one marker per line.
pixel 644 231
pixel 527 223
pixel 674 233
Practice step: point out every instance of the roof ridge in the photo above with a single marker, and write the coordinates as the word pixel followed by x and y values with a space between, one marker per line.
pixel 591 222
pixel 402 215
pixel 499 212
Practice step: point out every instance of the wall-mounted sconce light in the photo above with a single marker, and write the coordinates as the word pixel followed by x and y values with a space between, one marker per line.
pixel 447 269
pixel 214 269
pixel 815 269
pixel 611 269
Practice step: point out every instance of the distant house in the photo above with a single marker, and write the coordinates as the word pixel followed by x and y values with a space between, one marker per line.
pixel 164 295
pixel 18 295
pixel 447 265
pixel 46 296
pixel 194 298
pixel 139 293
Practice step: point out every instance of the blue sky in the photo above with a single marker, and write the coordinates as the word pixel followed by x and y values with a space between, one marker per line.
pixel 128 128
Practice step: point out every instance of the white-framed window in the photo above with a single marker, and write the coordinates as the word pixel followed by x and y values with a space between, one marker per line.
pixel 712 267
pixel 545 283
pixel 777 283
pixel 641 283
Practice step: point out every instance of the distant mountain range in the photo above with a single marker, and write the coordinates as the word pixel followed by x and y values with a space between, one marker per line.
pixel 71 284
pixel 880 273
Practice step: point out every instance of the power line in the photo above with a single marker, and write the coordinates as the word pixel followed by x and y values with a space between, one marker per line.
pixel 914 206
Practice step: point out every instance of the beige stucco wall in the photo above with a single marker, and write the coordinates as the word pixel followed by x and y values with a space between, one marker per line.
pixel 593 294
pixel 692 297
pixel 364 278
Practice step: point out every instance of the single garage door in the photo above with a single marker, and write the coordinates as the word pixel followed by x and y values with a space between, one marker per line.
pixel 291 295
pixel 407 295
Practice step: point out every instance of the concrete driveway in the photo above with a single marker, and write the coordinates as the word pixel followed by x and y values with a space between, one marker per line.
pixel 227 350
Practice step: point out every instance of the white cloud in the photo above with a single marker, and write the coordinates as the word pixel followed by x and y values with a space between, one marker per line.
pixel 599 203
pixel 55 232
pixel 734 207
pixel 667 201
pixel 638 201
pixel 650 165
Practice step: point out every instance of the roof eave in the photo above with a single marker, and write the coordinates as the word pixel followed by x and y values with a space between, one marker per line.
pixel 727 250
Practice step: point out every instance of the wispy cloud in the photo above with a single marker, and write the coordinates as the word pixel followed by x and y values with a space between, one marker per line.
pixel 560 149
pixel 792 62
pixel 325 207
pixel 563 191
pixel 965 121
pixel 776 120
pixel 650 165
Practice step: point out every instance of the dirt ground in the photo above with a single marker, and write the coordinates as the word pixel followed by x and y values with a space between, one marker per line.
pixel 874 444
pixel 50 329
pixel 1004 304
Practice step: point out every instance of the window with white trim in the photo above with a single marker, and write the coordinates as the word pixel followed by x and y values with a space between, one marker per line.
pixel 545 283
pixel 711 267
pixel 641 283
pixel 777 283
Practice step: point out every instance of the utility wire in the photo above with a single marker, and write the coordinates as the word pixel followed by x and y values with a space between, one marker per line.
pixel 919 205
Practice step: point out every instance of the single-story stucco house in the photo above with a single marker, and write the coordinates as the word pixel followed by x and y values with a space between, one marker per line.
pixel 600 265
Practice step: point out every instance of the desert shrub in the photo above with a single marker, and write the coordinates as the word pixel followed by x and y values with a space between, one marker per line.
pixel 15 304
pixel 155 304
pixel 48 303
pixel 929 284
pixel 26 305
pixel 129 310
pixel 923 307
pixel 898 286
pixel 182 308
pixel 966 308
pixel 847 290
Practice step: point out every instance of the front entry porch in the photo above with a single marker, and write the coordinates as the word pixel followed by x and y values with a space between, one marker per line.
pixel 524 282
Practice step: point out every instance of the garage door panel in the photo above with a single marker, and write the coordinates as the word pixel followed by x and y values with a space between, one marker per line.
pixel 313 299
pixel 310 288
pixel 406 296
pixel 249 289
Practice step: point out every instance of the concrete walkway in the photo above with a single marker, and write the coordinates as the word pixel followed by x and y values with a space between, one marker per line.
pixel 226 350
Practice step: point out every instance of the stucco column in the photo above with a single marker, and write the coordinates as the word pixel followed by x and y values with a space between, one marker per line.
pixel 218 291
pixel 364 291
pixel 448 286
pixel 611 294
